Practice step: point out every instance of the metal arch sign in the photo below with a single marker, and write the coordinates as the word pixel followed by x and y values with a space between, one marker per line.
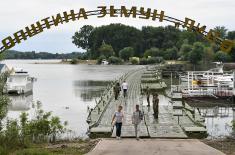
pixel 111 11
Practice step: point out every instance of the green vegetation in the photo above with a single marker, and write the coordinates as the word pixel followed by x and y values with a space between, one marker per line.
pixel 74 61
pixel 3 99
pixel 150 44
pixel 126 53
pixel 233 125
pixel 12 54
pixel 41 129
pixel 32 136
pixel 106 50
pixel 114 60
pixel 135 60
pixel 22 133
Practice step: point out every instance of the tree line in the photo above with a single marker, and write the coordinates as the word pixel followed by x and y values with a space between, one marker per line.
pixel 12 54
pixel 118 42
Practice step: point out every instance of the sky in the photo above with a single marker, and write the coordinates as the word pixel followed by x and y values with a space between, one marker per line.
pixel 17 14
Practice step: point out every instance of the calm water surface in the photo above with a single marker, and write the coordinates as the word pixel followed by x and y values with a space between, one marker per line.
pixel 66 90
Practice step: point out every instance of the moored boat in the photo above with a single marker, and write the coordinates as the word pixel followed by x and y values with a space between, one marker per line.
pixel 19 82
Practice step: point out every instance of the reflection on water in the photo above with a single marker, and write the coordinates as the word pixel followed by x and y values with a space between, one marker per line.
pixel 90 89
pixel 20 102
pixel 218 113
pixel 218 120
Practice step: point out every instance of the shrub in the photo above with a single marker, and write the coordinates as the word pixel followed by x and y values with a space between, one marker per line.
pixel 41 128
pixel 135 60
pixel 3 151
pixel 100 59
pixel 114 60
pixel 222 56
pixel 126 53
pixel 143 61
pixel 74 61
pixel 153 60
pixel 153 52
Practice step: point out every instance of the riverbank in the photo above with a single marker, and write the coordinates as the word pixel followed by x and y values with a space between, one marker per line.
pixel 226 145
pixel 68 61
pixel 80 147
pixel 75 147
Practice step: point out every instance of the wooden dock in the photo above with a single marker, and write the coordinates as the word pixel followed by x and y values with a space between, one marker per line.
pixel 168 125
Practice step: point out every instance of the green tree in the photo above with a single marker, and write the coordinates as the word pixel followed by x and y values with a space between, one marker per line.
pixel 117 35
pixel 153 52
pixel 114 60
pixel 196 54
pixel 153 60
pixel 126 53
pixel 208 55
pixel 74 61
pixel 81 38
pixel 184 51
pixel 100 59
pixel 231 35
pixel 222 31
pixel 171 54
pixel 232 53
pixel 143 61
pixel 222 56
pixel 106 50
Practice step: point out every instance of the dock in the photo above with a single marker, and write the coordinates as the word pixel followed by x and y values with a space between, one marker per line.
pixel 176 119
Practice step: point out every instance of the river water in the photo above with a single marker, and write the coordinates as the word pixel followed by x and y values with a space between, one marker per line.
pixel 68 90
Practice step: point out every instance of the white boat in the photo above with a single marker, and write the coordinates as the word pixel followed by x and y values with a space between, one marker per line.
pixel 212 77
pixel 104 62
pixel 19 82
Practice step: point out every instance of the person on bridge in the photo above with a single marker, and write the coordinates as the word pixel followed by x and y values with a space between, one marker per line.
pixel 155 105
pixel 137 117
pixel 117 121
pixel 124 88
pixel 116 90
pixel 148 95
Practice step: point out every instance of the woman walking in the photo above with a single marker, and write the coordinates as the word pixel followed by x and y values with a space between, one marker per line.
pixel 117 121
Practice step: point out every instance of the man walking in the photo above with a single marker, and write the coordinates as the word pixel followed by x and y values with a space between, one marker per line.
pixel 155 105
pixel 148 95
pixel 137 117
pixel 116 90
pixel 124 88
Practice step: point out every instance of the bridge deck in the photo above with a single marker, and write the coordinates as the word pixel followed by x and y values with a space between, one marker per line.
pixel 166 126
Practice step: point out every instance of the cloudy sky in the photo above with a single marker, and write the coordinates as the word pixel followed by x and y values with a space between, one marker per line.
pixel 16 14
